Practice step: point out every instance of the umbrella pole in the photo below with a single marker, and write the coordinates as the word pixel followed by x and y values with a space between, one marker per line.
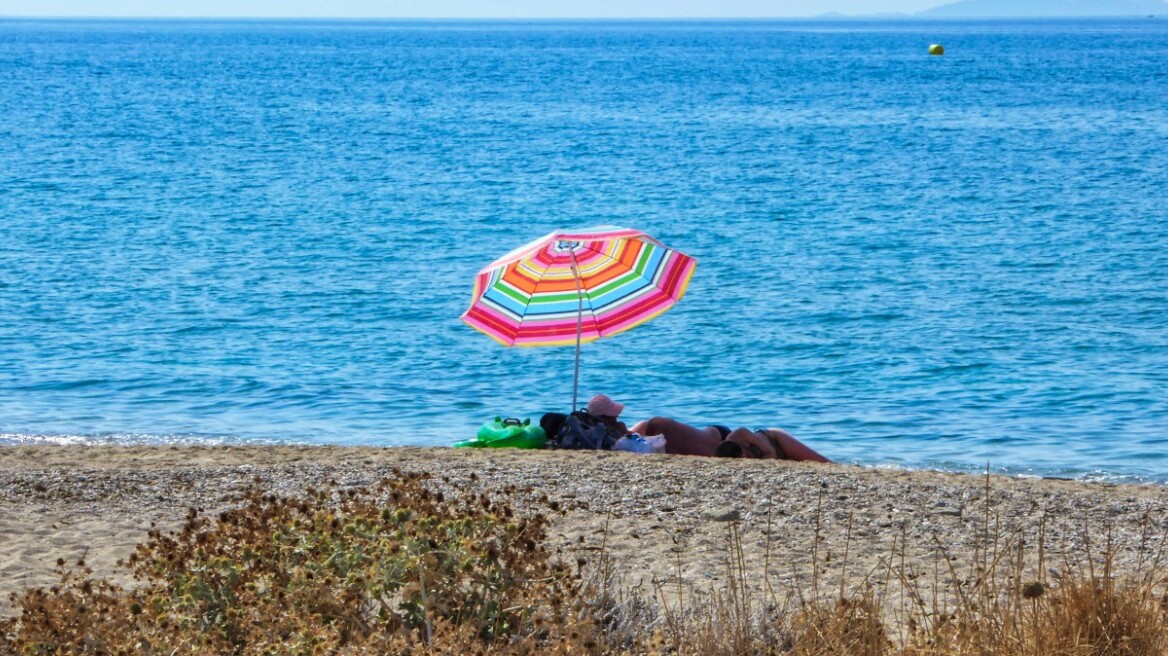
pixel 579 327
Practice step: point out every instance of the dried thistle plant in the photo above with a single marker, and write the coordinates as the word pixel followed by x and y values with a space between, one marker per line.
pixel 394 568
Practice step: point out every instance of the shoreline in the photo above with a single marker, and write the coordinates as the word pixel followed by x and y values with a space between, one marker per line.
pixel 663 519
pixel 1093 476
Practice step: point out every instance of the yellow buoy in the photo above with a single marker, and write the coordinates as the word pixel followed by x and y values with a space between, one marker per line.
pixel 936 49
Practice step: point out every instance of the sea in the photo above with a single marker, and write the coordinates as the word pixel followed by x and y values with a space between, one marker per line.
pixel 265 232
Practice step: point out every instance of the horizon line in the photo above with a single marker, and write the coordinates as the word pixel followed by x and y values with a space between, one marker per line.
pixel 825 16
pixel 517 17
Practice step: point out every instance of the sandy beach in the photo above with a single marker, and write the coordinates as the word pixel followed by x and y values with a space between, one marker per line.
pixel 659 516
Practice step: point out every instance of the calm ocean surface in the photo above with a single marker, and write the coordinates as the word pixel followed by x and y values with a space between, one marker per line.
pixel 266 232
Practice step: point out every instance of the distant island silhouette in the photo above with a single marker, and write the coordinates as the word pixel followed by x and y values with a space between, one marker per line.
pixel 1046 8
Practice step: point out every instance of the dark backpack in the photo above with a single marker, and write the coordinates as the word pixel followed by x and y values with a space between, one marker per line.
pixel 579 430
pixel 551 423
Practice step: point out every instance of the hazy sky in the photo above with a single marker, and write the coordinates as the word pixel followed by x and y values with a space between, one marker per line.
pixel 460 8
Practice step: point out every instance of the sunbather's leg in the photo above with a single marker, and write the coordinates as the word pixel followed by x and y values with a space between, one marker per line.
pixel 754 444
pixel 792 448
pixel 680 438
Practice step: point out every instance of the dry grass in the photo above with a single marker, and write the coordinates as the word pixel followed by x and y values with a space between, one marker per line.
pixel 1005 601
pixel 401 569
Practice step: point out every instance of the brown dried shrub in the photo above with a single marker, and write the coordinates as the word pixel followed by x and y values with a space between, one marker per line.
pixel 392 569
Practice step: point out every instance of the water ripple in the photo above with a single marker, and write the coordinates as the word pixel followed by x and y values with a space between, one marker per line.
pixel 266 232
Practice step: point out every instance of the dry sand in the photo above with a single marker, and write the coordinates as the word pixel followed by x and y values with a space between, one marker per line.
pixel 658 515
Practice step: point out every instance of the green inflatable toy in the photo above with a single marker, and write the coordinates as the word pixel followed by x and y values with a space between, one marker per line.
pixel 506 433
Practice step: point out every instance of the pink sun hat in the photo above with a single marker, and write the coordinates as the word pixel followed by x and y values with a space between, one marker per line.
pixel 602 406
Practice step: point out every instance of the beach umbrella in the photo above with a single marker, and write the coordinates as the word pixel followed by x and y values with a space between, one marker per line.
pixel 570 287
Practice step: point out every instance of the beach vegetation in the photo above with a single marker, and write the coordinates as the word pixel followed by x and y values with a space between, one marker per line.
pixel 394 568
pixel 411 565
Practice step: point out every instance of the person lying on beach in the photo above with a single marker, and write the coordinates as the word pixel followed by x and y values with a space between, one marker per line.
pixel 718 440
pixel 684 439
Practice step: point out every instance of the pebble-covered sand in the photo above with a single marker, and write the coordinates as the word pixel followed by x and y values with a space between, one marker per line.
pixel 658 516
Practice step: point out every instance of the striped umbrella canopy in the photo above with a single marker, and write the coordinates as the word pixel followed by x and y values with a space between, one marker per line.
pixel 569 287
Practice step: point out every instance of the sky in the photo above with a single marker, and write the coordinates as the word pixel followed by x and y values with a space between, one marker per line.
pixel 461 8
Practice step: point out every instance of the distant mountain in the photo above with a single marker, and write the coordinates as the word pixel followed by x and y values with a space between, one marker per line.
pixel 1046 8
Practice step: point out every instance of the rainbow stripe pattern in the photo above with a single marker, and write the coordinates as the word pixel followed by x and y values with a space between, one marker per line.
pixel 532 297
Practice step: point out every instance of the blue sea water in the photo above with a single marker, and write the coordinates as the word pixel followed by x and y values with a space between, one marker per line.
pixel 266 232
